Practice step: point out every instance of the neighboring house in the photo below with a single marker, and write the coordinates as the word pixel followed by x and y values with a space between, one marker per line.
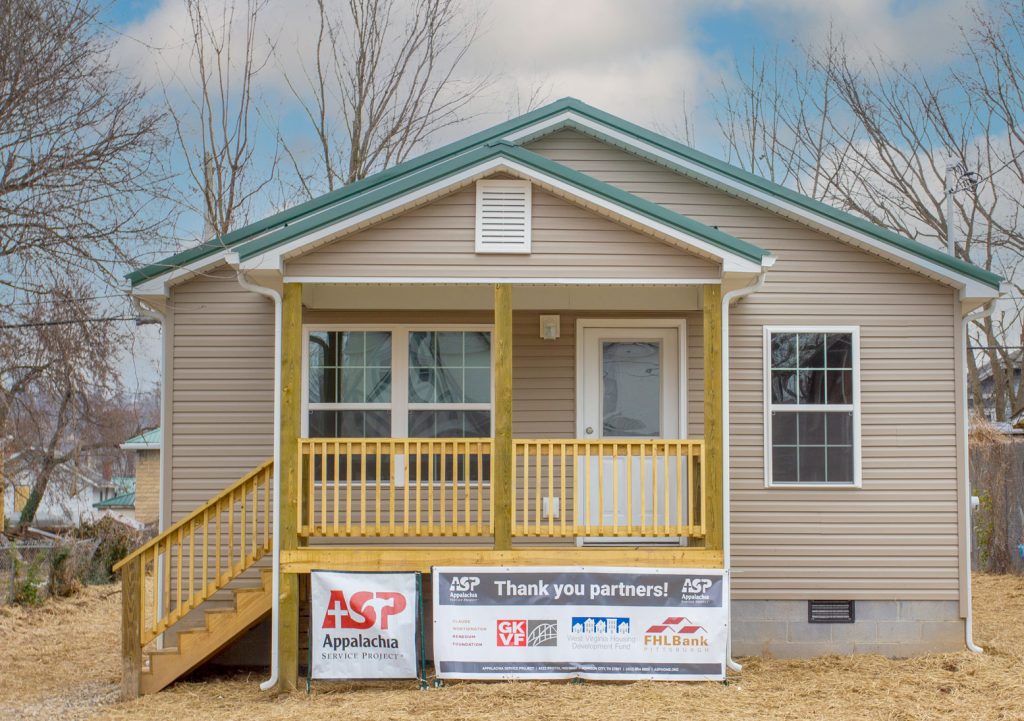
pixel 122 504
pixel 987 381
pixel 567 340
pixel 72 497
pixel 146 484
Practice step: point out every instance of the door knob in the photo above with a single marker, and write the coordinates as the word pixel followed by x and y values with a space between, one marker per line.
pixel 590 430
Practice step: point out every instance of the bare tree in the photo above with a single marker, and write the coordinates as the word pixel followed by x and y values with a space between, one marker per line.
pixel 216 112
pixel 382 81
pixel 58 387
pixel 875 137
pixel 78 149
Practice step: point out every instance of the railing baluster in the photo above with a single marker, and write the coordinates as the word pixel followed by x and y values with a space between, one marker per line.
pixel 680 488
pixel 310 511
pixel 600 486
pixel 444 490
pixel 551 488
pixel 231 534
pixel 537 501
pixel 362 487
pixel 241 531
pixel 643 492
pixel 468 507
pixel 419 483
pixel 480 488
pixel 336 487
pixel 348 488
pixel 615 489
pixel 586 488
pixel 630 488
pixel 405 489
pixel 526 489
pixel 654 487
pixel 205 564
pixel 177 585
pixel 431 447
pixel 563 500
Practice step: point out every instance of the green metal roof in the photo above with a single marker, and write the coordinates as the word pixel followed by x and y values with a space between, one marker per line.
pixel 150 438
pixel 285 225
pixel 508 151
pixel 125 500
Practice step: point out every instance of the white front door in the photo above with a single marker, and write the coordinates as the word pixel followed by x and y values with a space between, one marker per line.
pixel 631 387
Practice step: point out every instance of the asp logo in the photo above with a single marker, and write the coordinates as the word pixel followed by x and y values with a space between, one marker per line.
pixel 464 584
pixel 696 585
pixel 362 609
pixel 521 632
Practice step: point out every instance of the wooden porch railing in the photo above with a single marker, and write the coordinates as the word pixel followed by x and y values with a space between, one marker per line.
pixel 186 564
pixel 395 487
pixel 407 487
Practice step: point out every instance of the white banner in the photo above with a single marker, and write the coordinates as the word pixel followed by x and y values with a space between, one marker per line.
pixel 595 623
pixel 363 625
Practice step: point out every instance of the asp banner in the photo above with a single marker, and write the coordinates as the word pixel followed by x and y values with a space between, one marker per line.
pixel 595 623
pixel 363 625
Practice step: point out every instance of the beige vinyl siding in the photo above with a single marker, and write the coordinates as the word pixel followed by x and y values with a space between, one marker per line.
pixel 436 240
pixel 894 538
pixel 222 387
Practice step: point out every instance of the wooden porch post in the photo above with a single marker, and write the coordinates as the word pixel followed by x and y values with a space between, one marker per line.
pixel 501 455
pixel 131 634
pixel 713 421
pixel 291 380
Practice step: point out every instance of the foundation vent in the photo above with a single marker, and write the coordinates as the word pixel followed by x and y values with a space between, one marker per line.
pixel 830 612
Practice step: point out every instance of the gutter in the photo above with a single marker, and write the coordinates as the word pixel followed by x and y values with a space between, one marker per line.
pixel 727 298
pixel 275 296
pixel 982 312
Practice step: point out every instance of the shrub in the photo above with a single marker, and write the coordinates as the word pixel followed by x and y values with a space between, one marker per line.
pixel 114 541
pixel 29 588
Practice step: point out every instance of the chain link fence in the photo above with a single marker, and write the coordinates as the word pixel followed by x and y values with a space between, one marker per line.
pixel 997 479
pixel 31 571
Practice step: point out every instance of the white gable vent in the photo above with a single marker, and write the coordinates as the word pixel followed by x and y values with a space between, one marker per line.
pixel 503 216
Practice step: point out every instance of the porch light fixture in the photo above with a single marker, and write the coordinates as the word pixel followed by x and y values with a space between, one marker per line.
pixel 550 327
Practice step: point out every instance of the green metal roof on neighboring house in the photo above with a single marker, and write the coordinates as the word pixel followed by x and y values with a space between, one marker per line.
pixel 288 224
pixel 144 441
pixel 125 500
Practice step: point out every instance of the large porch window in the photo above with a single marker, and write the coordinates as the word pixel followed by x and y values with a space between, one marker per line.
pixel 403 382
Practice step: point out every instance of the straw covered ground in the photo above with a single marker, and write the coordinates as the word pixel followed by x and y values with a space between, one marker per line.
pixel 61 661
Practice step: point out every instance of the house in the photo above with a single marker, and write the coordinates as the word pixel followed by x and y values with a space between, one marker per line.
pixel 72 497
pixel 987 380
pixel 146 484
pixel 563 340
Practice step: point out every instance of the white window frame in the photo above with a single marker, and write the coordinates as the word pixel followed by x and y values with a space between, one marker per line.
pixel 399 405
pixel 854 332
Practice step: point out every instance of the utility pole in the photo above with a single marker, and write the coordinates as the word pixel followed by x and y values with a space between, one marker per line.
pixel 958 178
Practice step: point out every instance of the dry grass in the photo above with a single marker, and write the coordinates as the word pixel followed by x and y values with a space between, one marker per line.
pixel 65 664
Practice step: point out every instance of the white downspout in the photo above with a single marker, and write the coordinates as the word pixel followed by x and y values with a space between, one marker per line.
pixel 982 312
pixel 144 309
pixel 726 540
pixel 275 296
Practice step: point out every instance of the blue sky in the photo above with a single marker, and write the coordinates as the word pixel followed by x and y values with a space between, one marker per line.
pixel 645 60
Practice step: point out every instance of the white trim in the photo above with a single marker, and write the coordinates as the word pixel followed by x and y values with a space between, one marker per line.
pixel 475 280
pixel 969 287
pixel 854 407
pixel 482 242
pixel 730 261
pixel 633 324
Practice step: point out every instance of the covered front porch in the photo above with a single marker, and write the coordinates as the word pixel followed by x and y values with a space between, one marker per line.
pixel 597 486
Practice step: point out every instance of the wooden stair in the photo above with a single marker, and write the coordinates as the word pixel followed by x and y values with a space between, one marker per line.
pixel 205 632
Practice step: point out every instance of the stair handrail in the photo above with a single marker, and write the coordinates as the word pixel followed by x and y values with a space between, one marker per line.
pixel 267 465
pixel 249 501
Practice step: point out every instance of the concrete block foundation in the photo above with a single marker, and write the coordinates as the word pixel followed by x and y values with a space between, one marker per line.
pixel 897 629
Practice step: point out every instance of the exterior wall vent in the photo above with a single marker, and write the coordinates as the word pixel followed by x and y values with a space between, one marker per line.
pixel 503 216
pixel 830 612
